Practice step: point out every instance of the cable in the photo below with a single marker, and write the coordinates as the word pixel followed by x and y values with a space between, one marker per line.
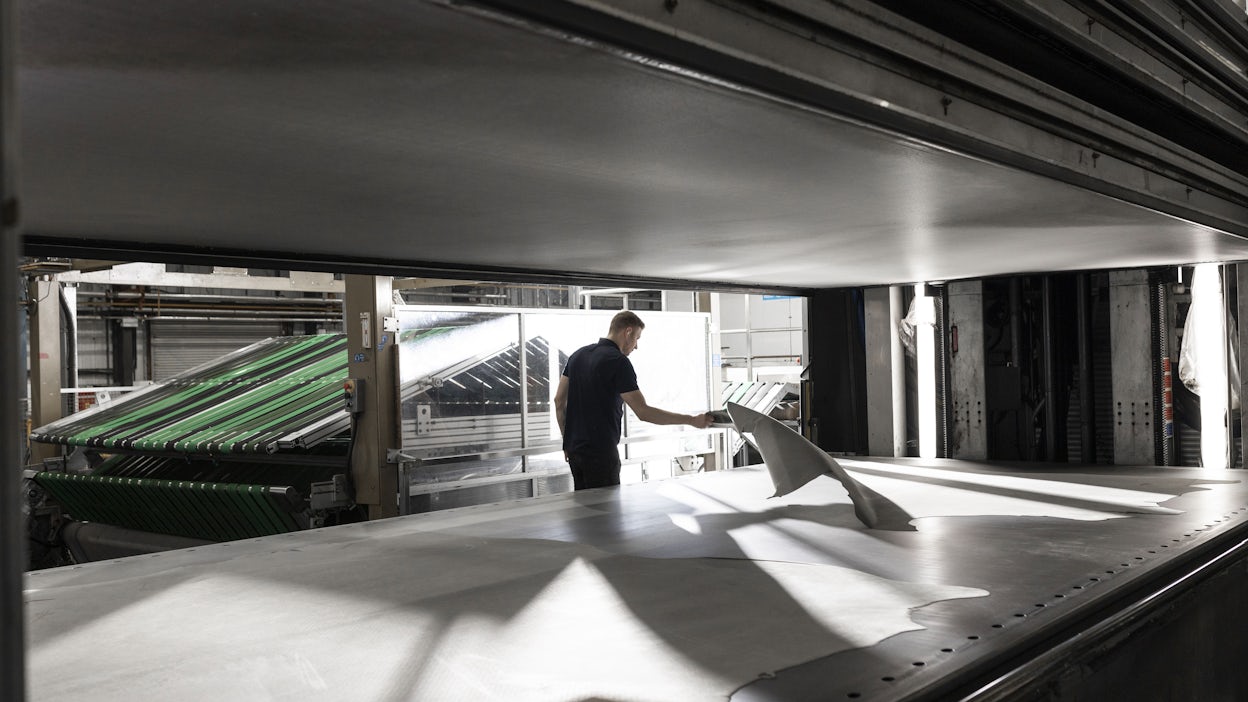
pixel 350 457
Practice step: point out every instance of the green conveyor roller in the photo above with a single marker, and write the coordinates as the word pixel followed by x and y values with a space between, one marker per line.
pixel 202 510
pixel 224 451
pixel 277 394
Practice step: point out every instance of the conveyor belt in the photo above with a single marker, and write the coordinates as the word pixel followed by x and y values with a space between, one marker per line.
pixel 196 497
pixel 215 511
pixel 298 469
pixel 196 453
pixel 760 396
pixel 279 393
pixel 186 463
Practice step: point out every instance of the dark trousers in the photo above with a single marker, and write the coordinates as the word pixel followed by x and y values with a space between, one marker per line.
pixel 593 470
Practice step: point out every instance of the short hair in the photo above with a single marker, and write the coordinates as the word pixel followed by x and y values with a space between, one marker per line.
pixel 624 320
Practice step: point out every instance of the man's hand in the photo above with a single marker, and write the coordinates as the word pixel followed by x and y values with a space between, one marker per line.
pixel 700 421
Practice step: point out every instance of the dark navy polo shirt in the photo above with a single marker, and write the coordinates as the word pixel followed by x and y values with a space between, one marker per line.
pixel 597 375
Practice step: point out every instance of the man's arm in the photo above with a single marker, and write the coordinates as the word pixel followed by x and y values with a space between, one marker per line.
pixel 561 402
pixel 637 402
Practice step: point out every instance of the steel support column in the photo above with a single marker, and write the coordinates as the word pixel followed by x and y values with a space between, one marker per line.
pixel 1049 370
pixel 898 311
pixel 12 535
pixel 1241 274
pixel 1130 345
pixel 369 300
pixel 967 389
pixel 1083 316
pixel 45 360
pixel 885 367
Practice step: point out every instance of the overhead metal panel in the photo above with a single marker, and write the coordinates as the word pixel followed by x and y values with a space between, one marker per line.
pixel 699 143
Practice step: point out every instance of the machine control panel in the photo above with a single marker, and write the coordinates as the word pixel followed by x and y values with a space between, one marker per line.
pixel 353 395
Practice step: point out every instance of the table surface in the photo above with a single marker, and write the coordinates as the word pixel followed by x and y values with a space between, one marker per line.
pixel 695 588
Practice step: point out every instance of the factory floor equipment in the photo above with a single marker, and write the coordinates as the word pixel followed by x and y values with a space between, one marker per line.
pixel 251 444
pixel 1029 581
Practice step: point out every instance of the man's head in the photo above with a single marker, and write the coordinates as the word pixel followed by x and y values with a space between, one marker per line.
pixel 626 331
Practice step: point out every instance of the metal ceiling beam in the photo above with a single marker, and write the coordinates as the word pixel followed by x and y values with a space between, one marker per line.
pixel 892 66
pixel 1150 63
pixel 467 274
pixel 155 274
pixel 709 143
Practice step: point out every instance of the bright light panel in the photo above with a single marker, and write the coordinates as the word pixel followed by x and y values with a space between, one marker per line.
pixel 925 353
pixel 1210 331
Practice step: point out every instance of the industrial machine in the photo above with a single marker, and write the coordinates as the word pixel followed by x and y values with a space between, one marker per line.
pixel 834 150
pixel 778 399
pixel 476 387
pixel 259 442
pixel 252 444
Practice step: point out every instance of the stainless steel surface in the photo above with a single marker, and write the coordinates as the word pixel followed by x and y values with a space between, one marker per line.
pixel 969 433
pixel 462 141
pixel 880 341
pixel 1132 363
pixel 712 586
pixel 1083 322
pixel 1048 372
pixel 1019 680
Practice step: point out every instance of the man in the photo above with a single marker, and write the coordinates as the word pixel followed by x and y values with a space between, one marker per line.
pixel 589 404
